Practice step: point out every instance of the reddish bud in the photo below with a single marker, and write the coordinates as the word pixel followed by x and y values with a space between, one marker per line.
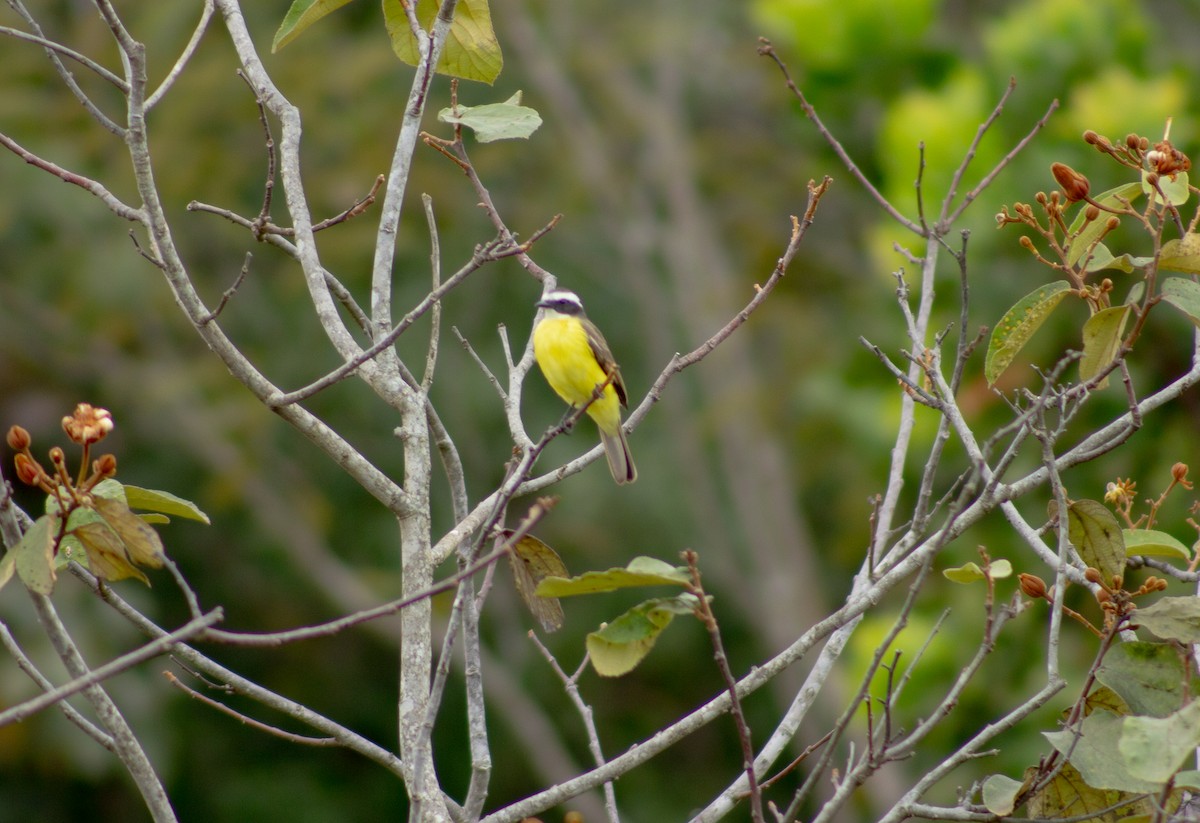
pixel 1168 160
pixel 57 457
pixel 1075 186
pixel 1032 586
pixel 18 439
pixel 1113 222
pixel 1091 213
pixel 106 466
pixel 1102 596
pixel 28 472
pixel 1133 141
pixel 1092 575
pixel 1179 473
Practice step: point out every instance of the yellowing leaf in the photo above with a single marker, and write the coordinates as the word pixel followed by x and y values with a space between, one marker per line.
pixel 641 571
pixel 301 15
pixel 472 51
pixel 105 552
pixel 621 645
pixel 142 543
pixel 1181 254
pixel 1019 324
pixel 495 121
pixel 1102 336
pixel 532 561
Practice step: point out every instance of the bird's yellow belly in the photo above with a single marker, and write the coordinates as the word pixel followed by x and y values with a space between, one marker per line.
pixel 565 357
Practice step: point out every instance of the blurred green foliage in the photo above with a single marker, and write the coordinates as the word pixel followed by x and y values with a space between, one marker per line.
pixel 83 317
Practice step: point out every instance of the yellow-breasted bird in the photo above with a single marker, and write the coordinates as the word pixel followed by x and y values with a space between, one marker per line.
pixel 575 359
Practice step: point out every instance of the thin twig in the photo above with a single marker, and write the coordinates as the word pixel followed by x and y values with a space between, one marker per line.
pixel 705 613
pixel 290 737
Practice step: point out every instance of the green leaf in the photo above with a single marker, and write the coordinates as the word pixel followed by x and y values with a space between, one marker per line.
pixel 1181 254
pixel 1102 258
pixel 1149 677
pixel 1153 543
pixel 495 121
pixel 156 500
pixel 1174 188
pixel 1188 780
pixel 618 647
pixel 1102 335
pixel 1091 752
pixel 1097 537
pixel 301 15
pixel 1155 748
pixel 34 554
pixel 971 572
pixel 1019 324
pixel 472 51
pixel 1090 233
pixel 1172 618
pixel 1184 295
pixel 1000 794
pixel 641 571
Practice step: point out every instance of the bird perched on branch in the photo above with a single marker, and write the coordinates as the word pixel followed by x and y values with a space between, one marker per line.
pixel 576 361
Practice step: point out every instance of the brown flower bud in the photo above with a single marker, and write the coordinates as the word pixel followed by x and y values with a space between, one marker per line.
pixel 1092 575
pixel 1102 596
pixel 1091 213
pixel 106 466
pixel 1133 141
pixel 1113 222
pixel 28 472
pixel 1074 185
pixel 18 439
pixel 57 457
pixel 1179 473
pixel 1026 242
pixel 1091 138
pixel 1032 586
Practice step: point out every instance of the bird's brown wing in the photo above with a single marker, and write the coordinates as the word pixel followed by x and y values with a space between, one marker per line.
pixel 605 359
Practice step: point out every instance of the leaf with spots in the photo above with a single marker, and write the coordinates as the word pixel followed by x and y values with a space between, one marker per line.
pixel 1019 324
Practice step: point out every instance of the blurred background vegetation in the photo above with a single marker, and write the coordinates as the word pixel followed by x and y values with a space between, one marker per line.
pixel 676 155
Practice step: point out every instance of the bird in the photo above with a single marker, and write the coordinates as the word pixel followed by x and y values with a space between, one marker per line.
pixel 575 360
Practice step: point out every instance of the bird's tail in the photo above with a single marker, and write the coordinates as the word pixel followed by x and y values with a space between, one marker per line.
pixel 620 461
